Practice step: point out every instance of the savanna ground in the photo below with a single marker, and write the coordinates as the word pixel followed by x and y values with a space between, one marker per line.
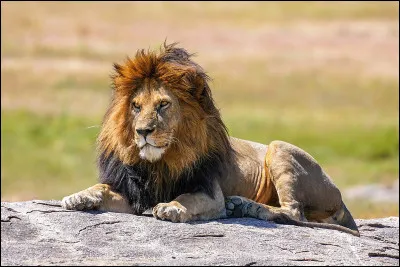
pixel 321 75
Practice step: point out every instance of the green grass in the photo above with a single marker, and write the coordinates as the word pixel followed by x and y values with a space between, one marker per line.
pixel 46 156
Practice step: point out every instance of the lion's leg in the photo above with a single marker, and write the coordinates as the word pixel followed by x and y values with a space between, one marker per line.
pixel 301 184
pixel 97 197
pixel 192 206
pixel 237 206
pixel 304 188
pixel 289 203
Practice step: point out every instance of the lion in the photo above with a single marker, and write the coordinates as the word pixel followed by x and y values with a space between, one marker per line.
pixel 163 146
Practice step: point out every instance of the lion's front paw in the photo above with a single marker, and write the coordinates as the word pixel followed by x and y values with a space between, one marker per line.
pixel 172 211
pixel 84 200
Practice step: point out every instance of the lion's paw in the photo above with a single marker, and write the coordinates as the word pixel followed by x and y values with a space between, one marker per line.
pixel 173 212
pixel 236 206
pixel 84 200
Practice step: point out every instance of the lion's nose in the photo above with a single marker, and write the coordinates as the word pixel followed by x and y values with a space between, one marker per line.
pixel 145 131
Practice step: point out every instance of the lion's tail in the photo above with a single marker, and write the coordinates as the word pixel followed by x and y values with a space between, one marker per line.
pixel 340 220
pixel 344 218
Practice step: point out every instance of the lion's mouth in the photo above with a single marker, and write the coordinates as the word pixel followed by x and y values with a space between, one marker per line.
pixel 155 146
pixel 152 152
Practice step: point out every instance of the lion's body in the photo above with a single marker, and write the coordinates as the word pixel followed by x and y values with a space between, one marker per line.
pixel 247 170
pixel 164 146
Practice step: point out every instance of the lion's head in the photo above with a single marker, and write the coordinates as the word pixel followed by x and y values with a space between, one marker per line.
pixel 162 114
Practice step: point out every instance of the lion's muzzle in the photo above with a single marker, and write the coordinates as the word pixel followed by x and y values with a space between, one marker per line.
pixel 145 131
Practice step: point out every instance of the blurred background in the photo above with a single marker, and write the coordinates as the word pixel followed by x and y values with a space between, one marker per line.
pixel 321 75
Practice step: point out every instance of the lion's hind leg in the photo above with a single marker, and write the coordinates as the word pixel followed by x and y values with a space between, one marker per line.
pixel 302 185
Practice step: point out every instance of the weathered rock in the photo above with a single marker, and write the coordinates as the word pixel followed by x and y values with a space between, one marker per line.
pixel 42 233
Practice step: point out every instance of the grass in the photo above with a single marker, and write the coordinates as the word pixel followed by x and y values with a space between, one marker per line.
pixel 320 75
pixel 373 155
pixel 45 156
pixel 366 209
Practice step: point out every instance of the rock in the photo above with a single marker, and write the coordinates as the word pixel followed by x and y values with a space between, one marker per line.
pixel 42 233
pixel 374 192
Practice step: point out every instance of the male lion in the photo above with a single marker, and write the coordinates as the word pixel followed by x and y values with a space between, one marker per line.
pixel 163 145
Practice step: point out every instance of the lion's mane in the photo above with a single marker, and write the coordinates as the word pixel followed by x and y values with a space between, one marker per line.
pixel 192 164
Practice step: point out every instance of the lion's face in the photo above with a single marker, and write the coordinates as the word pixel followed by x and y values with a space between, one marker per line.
pixel 155 118
pixel 162 115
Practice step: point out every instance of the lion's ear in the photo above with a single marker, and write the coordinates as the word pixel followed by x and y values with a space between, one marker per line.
pixel 199 86
pixel 197 83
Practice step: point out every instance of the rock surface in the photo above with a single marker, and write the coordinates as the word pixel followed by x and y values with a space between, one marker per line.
pixel 42 233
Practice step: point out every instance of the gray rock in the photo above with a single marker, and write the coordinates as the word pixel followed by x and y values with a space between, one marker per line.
pixel 374 192
pixel 42 233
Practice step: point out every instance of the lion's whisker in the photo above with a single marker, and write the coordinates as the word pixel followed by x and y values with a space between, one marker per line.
pixel 93 126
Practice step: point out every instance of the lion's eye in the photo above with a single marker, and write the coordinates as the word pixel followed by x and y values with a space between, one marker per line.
pixel 135 106
pixel 164 104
